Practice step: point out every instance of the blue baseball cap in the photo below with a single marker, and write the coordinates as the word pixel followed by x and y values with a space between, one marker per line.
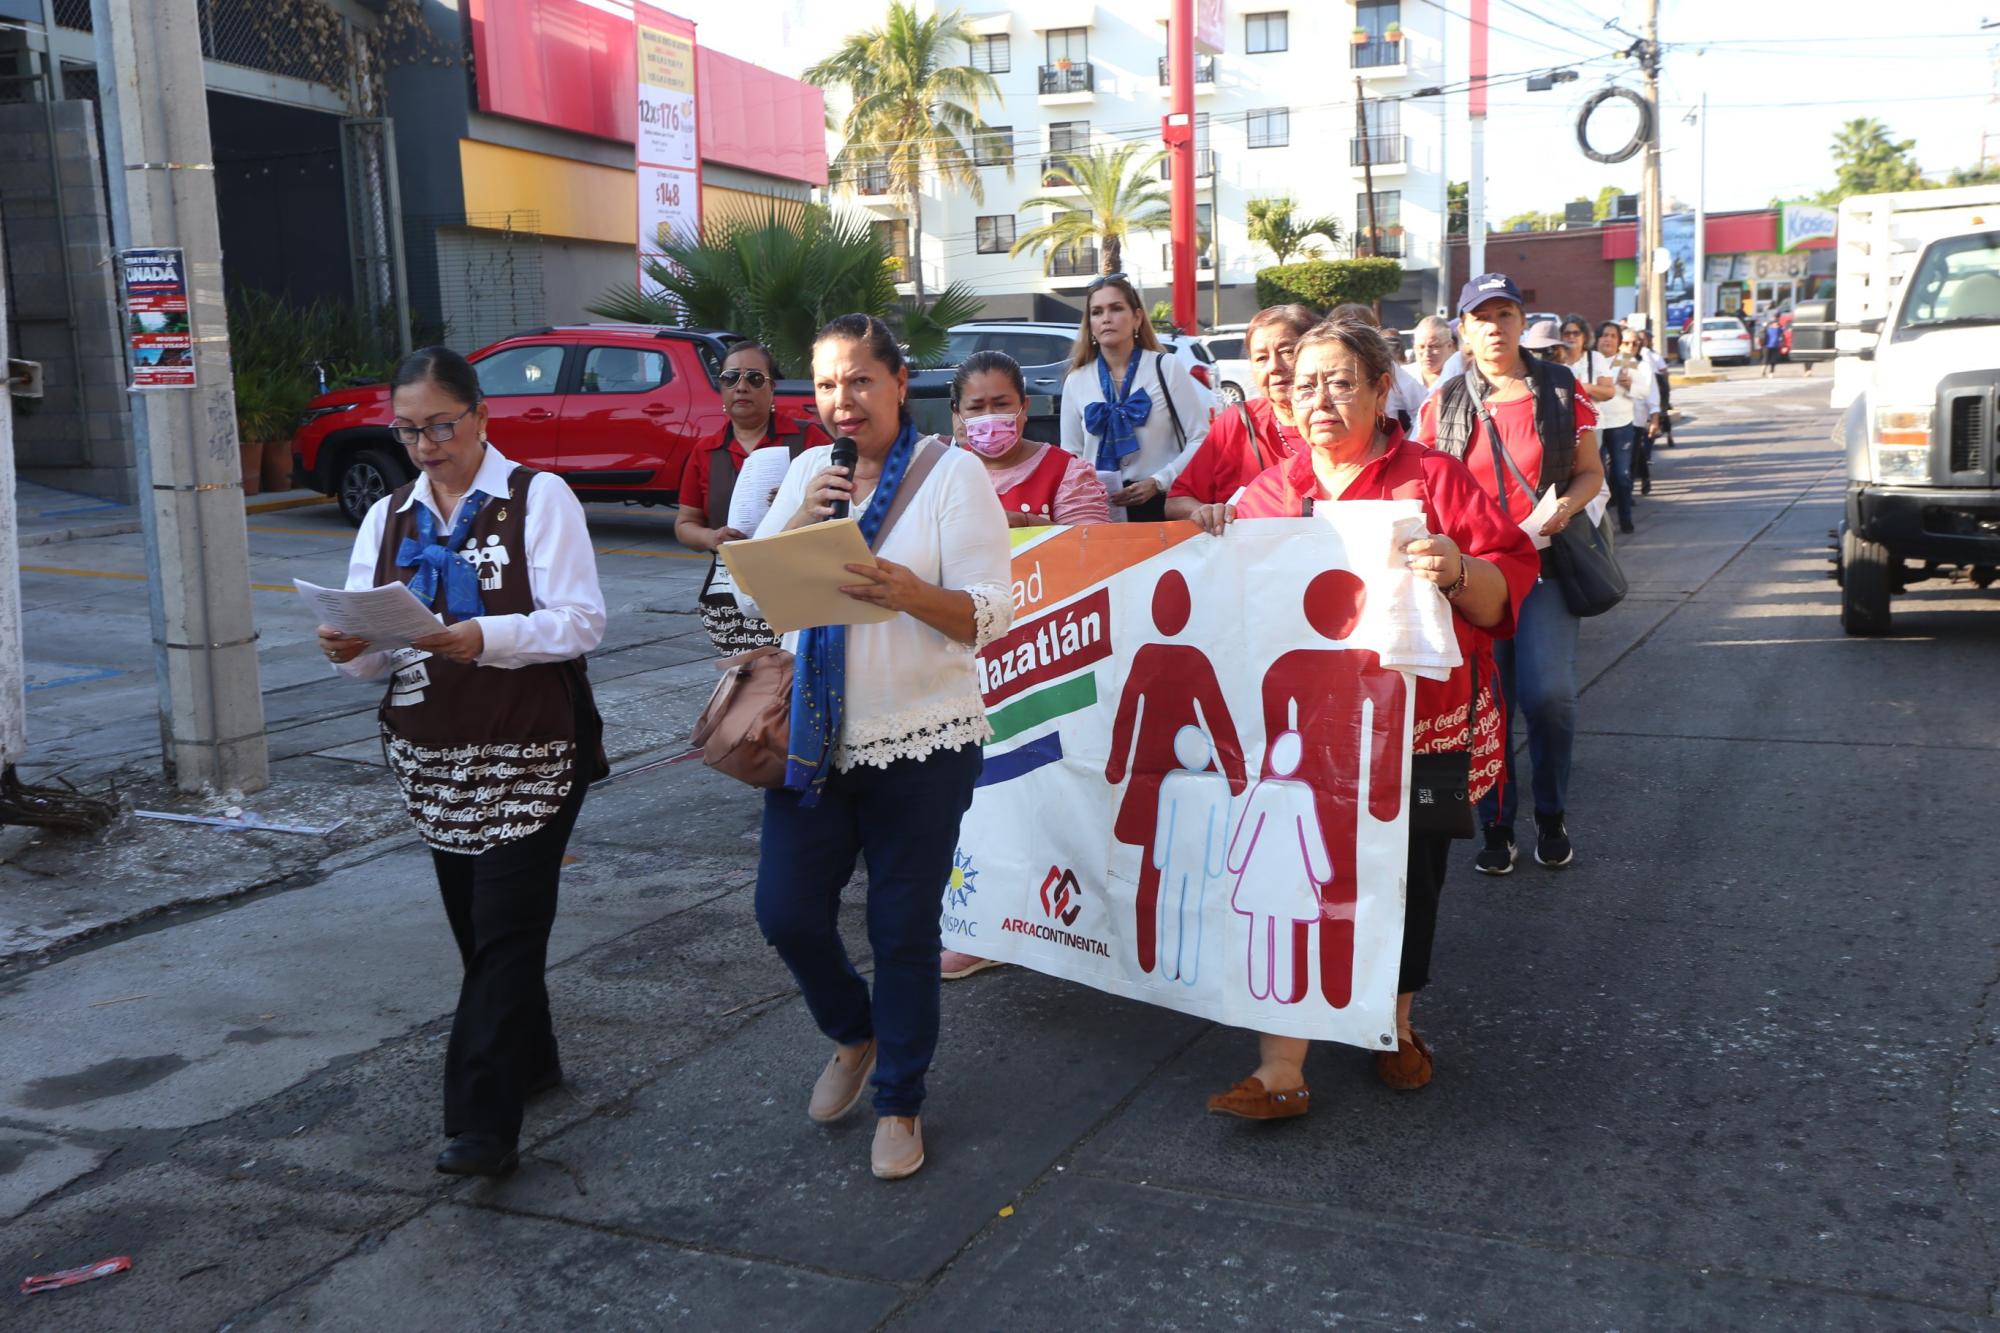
pixel 1488 287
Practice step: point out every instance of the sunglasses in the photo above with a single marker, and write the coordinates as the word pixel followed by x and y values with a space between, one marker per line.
pixel 439 431
pixel 1104 278
pixel 757 378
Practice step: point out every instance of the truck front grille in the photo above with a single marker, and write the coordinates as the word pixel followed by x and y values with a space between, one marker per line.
pixel 1970 434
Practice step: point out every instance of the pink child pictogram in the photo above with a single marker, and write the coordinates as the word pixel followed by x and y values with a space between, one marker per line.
pixel 1280 863
pixel 1169 686
pixel 1324 689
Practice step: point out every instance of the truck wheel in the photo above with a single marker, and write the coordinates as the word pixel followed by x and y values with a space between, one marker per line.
pixel 1866 574
pixel 366 476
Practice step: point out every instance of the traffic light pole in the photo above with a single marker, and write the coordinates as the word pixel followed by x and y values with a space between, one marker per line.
pixel 1179 136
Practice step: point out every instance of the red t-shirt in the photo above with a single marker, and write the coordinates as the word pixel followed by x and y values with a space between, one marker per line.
pixel 694 476
pixel 1224 462
pixel 1456 506
pixel 1516 422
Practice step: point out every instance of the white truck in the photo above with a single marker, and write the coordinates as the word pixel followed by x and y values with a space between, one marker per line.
pixel 1916 342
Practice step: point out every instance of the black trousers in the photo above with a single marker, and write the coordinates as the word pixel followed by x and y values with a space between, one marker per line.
pixel 501 905
pixel 1425 882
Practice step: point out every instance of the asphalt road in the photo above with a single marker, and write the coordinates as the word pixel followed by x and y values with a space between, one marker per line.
pixel 1733 1069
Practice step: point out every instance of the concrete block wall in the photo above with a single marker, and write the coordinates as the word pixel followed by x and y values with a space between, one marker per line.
pixel 59 266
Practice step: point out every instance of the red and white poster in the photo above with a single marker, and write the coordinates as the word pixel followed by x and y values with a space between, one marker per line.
pixel 1196 790
pixel 667 146
pixel 159 340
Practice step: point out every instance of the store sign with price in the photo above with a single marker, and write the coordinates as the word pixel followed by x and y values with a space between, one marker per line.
pixel 667 144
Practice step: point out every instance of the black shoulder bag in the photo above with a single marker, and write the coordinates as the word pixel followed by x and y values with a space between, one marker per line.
pixel 1160 374
pixel 1580 556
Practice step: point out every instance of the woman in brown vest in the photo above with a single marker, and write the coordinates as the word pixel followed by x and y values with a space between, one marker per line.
pixel 488 725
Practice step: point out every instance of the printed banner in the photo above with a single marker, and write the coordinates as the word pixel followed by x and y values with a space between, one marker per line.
pixel 1195 791
pixel 159 340
pixel 1799 224
pixel 667 147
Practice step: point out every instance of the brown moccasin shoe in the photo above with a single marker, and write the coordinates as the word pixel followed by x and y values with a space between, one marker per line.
pixel 1252 1101
pixel 899 1147
pixel 1409 1068
pixel 839 1087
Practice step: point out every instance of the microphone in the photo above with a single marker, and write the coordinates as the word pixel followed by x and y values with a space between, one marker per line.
pixel 845 454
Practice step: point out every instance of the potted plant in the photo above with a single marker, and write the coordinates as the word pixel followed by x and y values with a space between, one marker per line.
pixel 1393 33
pixel 1360 36
pixel 1064 64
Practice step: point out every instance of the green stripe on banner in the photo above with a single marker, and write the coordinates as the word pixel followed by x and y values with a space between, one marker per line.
pixel 1069 697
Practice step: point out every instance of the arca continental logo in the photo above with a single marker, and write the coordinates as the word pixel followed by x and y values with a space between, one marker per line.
pixel 1062 904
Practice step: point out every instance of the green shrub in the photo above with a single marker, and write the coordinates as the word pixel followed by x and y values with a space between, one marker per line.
pixel 1325 283
pixel 1162 315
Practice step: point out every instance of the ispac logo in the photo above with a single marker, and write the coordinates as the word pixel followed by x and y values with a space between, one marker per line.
pixel 1062 896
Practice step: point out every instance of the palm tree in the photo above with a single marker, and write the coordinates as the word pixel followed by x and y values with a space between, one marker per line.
pixel 1116 202
pixel 1273 226
pixel 913 112
pixel 778 276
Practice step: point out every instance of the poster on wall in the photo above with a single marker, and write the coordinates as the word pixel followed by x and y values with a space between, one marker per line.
pixel 1677 239
pixel 159 340
pixel 1193 806
pixel 667 145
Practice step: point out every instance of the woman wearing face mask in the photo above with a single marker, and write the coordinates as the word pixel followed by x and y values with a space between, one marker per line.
pixel 1038 484
pixel 1127 407
pixel 1250 436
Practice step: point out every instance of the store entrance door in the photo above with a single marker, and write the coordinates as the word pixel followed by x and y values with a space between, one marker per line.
pixel 1776 295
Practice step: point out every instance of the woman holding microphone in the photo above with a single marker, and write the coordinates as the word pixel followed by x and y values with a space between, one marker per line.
pixel 489 726
pixel 887 730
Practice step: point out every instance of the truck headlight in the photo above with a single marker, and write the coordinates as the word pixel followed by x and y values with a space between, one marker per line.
pixel 1903 444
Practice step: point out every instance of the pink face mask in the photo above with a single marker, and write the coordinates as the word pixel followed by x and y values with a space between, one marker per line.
pixel 993 436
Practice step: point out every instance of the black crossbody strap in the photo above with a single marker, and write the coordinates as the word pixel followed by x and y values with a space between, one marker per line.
pixel 1160 374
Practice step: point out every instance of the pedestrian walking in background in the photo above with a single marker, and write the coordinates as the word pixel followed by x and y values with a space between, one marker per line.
pixel 1436 341
pixel 1521 426
pixel 1484 563
pixel 1774 338
pixel 1128 408
pixel 887 729
pixel 1620 416
pixel 1579 352
pixel 1248 437
pixel 489 726
pixel 749 385
pixel 1662 384
pixel 1543 339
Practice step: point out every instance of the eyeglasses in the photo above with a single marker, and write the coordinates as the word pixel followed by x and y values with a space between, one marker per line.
pixel 757 378
pixel 439 431
pixel 1306 391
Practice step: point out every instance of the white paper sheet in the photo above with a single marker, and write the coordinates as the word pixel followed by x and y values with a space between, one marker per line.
pixel 756 486
pixel 1113 483
pixel 387 617
pixel 1544 510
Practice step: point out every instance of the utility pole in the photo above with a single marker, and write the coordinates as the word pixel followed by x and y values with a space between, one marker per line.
pixel 190 465
pixel 1656 281
pixel 1693 357
pixel 13 661
pixel 1367 179
pixel 1475 182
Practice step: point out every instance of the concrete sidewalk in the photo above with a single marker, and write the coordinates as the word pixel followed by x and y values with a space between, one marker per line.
pixel 1736 1068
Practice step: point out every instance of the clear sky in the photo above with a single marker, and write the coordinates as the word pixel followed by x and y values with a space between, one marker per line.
pixel 1781 77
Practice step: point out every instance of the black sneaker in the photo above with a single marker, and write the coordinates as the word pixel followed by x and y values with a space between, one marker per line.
pixel 1498 855
pixel 1552 844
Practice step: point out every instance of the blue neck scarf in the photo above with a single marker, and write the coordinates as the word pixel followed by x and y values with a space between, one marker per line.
pixel 1116 421
pixel 433 558
pixel 819 676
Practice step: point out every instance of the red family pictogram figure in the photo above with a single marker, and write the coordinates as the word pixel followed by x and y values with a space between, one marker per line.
pixel 1169 686
pixel 1323 688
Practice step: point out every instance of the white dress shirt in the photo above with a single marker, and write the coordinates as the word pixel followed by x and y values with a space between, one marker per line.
pixel 910 689
pixel 1161 455
pixel 1407 394
pixel 568 620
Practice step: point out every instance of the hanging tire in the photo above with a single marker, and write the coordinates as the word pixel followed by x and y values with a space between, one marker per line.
pixel 365 477
pixel 1867 578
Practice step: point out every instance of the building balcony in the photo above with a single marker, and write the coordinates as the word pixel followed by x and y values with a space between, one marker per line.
pixel 1204 74
pixel 871 181
pixel 1070 266
pixel 1204 164
pixel 1078 83
pixel 1379 58
pixel 1385 154
pixel 1388 241
pixel 1056 170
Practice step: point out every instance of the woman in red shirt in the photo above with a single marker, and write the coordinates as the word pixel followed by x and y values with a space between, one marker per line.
pixel 1484 563
pixel 1245 438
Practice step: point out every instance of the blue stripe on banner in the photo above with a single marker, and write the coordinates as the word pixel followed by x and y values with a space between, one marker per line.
pixel 1020 761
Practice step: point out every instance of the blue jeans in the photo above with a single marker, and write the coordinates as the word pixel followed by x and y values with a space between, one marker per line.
pixel 1538 680
pixel 904 820
pixel 1617 444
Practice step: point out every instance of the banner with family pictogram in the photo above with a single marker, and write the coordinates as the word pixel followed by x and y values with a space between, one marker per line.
pixel 1195 792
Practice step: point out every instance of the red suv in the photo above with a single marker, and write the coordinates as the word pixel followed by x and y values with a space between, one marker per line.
pixel 613 409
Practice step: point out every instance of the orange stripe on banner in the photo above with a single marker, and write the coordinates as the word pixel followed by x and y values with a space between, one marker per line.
pixel 1053 571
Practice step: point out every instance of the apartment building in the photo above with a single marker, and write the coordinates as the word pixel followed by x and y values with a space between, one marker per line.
pixel 1276 115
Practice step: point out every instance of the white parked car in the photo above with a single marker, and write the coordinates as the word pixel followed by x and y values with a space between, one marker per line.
pixel 1723 338
pixel 1199 363
pixel 1232 363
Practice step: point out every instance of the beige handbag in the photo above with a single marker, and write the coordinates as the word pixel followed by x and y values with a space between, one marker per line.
pixel 745 729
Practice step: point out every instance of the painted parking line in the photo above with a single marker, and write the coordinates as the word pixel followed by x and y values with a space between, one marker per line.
pixel 133 578
pixel 55 675
pixel 273 506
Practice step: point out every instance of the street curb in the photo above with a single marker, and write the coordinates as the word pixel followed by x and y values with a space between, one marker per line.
pixel 56 536
pixel 1679 380
pixel 277 506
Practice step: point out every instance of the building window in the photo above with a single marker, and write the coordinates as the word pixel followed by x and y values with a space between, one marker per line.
pixel 1383 144
pixel 1265 33
pixel 1071 44
pixel 1270 129
pixel 992 55
pixel 1375 18
pixel 894 234
pixel 995 233
pixel 1204 240
pixel 1066 138
pixel 994 146
pixel 1388 235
